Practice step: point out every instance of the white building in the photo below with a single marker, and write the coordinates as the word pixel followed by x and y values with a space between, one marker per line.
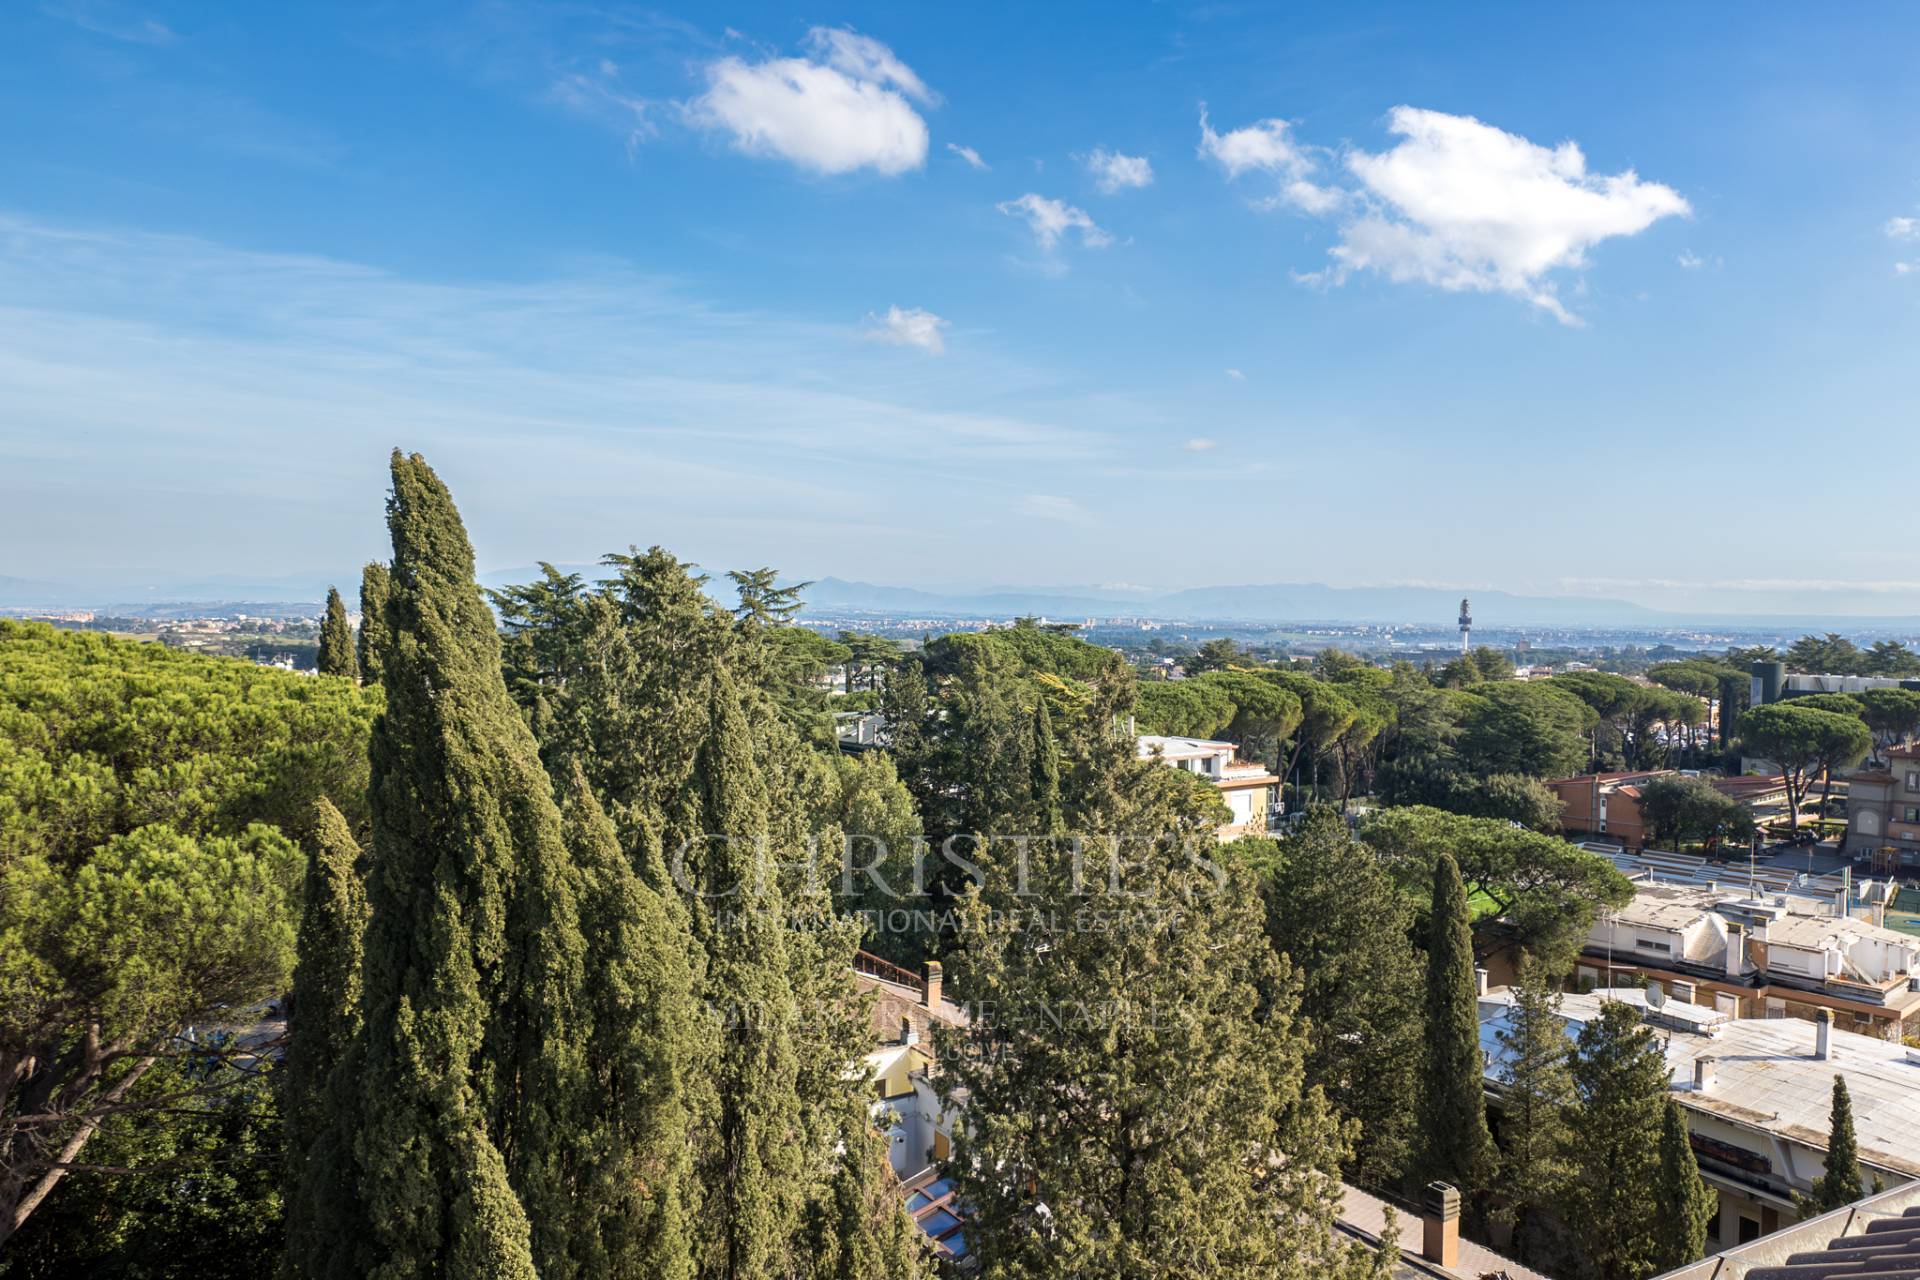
pixel 1252 793
pixel 1757 1095
pixel 1779 956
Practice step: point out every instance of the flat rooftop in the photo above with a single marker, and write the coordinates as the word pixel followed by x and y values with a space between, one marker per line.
pixel 1768 1078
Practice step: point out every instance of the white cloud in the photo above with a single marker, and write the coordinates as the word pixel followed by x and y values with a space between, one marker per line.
pixel 1200 444
pixel 1267 146
pixel 909 327
pixel 1902 228
pixel 968 154
pixel 1048 506
pixel 844 108
pixel 1903 268
pixel 103 17
pixel 1113 171
pixel 1236 375
pixel 1691 260
pixel 1462 205
pixel 1052 219
pixel 865 59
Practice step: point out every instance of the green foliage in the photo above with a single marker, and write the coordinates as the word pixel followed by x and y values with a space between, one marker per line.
pixel 146 884
pixel 1343 924
pixel 1509 797
pixel 337 656
pixel 1452 1108
pixel 1891 715
pixel 1140 1077
pixel 470 1057
pixel 324 1008
pixel 1805 743
pixel 1839 1181
pixel 190 1188
pixel 1613 1206
pixel 375 585
pixel 1679 809
pixel 1537 1099
pixel 635 1190
pixel 1530 728
pixel 1544 890
pixel 1686 1204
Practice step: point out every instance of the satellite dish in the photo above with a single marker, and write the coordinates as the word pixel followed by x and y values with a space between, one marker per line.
pixel 1656 996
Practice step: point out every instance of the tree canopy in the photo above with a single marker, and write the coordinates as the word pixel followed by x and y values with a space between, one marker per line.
pixel 149 803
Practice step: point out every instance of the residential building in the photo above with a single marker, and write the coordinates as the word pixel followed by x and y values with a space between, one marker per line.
pixel 1883 809
pixel 1757 1096
pixel 1427 1235
pixel 1878 1236
pixel 1784 956
pixel 1608 804
pixel 906 1009
pixel 1251 791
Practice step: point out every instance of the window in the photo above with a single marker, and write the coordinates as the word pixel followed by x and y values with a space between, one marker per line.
pixel 1749 1229
pixel 1911 813
pixel 1913 780
pixel 1648 944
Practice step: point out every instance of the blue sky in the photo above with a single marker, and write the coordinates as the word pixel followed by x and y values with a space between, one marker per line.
pixel 1601 300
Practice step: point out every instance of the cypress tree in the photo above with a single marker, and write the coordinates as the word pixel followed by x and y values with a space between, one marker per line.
pixel 1612 1207
pixel 470 1070
pixel 1687 1204
pixel 648 1036
pixel 324 1018
pixel 324 1009
pixel 1840 1183
pixel 375 585
pixel 1333 910
pixel 754 1175
pixel 1539 1100
pixel 1453 1105
pixel 336 656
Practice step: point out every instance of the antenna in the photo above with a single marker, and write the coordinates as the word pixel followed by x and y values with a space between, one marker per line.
pixel 1466 624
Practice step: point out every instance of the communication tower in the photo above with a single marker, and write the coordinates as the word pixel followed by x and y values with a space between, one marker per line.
pixel 1466 626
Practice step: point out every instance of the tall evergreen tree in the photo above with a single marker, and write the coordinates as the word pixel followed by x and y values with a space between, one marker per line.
pixel 1045 755
pixel 1335 913
pixel 1453 1106
pixel 1538 1101
pixel 1840 1183
pixel 1612 1208
pixel 375 585
pixel 1687 1204
pixel 337 656
pixel 754 1173
pixel 1140 1078
pixel 649 1036
pixel 469 1070
pixel 324 1010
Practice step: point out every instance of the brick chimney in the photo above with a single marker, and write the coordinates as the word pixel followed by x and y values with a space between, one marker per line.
pixel 1823 1034
pixel 1440 1218
pixel 930 985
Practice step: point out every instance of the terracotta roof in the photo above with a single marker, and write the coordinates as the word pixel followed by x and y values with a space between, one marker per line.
pixel 899 999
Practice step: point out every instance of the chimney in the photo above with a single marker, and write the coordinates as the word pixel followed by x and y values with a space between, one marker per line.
pixel 1823 1034
pixel 930 985
pixel 1736 949
pixel 1440 1217
pixel 1682 991
pixel 1479 981
pixel 1704 1074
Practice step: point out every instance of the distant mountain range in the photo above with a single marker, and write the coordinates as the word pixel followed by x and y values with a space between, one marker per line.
pixel 1250 603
